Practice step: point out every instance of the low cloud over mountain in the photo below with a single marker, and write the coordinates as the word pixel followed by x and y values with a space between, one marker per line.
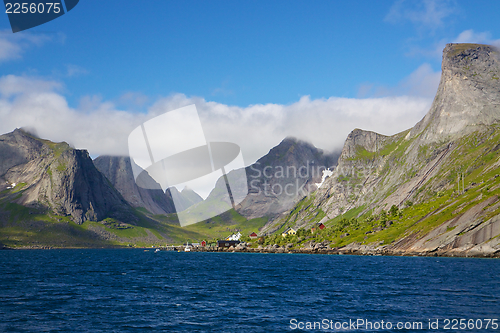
pixel 102 128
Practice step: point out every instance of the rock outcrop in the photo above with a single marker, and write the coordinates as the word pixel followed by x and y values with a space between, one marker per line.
pixel 56 178
pixel 468 95
pixel 359 139
pixel 379 171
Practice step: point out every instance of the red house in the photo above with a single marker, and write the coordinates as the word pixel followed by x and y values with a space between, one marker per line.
pixel 253 235
pixel 319 226
pixel 203 243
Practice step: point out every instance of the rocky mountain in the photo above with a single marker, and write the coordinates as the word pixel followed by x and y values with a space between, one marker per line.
pixel 118 170
pixel 283 176
pixel 275 182
pixel 52 195
pixel 185 198
pixel 55 178
pixel 439 179
pixel 468 96
pixel 433 189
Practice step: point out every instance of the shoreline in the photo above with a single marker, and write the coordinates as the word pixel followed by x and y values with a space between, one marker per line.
pixel 280 250
pixel 343 251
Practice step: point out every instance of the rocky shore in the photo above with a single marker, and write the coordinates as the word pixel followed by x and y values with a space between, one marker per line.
pixel 351 249
pixel 314 248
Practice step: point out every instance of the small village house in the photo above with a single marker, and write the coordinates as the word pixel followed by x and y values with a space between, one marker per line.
pixel 253 235
pixel 234 237
pixel 227 243
pixel 319 226
pixel 288 231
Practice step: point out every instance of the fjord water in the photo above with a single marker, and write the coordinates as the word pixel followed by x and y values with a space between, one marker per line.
pixel 136 291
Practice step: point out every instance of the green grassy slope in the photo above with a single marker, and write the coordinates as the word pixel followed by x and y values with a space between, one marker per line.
pixel 476 156
pixel 22 226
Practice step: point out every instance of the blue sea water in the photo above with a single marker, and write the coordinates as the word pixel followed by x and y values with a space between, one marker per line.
pixel 136 291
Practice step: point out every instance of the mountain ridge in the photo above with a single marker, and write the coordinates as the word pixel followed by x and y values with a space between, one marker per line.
pixel 268 195
pixel 433 189
pixel 58 177
pixel 438 174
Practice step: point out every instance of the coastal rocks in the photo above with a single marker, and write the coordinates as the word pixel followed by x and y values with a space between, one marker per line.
pixel 313 247
pixel 363 249
pixel 374 249
pixel 241 246
pixel 309 245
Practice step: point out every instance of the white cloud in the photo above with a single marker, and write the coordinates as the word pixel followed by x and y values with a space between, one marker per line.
pixel 12 45
pixel 423 82
pixel 470 36
pixel 12 85
pixel 101 128
pixel 427 14
pixel 8 49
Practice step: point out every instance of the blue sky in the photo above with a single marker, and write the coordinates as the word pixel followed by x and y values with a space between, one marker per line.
pixel 244 52
pixel 267 69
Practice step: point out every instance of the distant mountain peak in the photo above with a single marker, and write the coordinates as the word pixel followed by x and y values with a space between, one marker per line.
pixel 28 130
pixel 187 189
pixel 290 139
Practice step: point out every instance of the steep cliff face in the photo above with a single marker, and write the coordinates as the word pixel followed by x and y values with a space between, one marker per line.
pixel 118 171
pixel 468 95
pixel 55 178
pixel 442 173
pixel 376 171
pixel 359 139
pixel 18 148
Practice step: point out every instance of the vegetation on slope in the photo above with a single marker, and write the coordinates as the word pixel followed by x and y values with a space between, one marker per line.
pixel 437 201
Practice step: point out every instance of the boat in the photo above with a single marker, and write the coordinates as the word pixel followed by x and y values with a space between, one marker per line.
pixel 187 248
pixel 157 250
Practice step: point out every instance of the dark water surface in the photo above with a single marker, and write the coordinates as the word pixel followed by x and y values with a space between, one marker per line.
pixel 136 291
